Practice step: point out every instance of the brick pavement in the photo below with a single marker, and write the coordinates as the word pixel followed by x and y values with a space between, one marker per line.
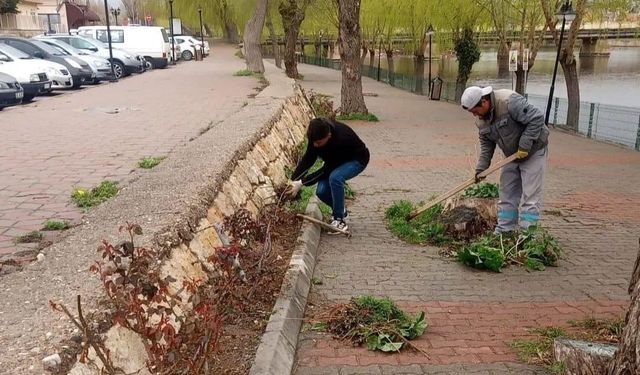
pixel 421 148
pixel 77 140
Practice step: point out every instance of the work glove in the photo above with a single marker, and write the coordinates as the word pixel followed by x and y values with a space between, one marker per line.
pixel 521 154
pixel 293 188
pixel 478 178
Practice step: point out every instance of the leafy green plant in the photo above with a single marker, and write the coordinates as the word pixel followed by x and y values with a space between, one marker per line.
pixel 376 322
pixel 358 116
pixel 534 248
pixel 349 193
pixel 101 193
pixel 424 229
pixel 53 224
pixel 483 190
pixel 30 237
pixel 148 163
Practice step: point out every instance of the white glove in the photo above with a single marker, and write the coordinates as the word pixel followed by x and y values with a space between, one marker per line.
pixel 294 187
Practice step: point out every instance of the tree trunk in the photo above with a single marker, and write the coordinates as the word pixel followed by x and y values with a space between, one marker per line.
pixel 292 18
pixel 520 80
pixel 231 32
pixel 318 48
pixel 364 52
pixel 332 49
pixel 461 84
pixel 352 100
pixel 372 62
pixel 419 75
pixel 252 34
pixel 390 67
pixel 503 60
pixel 274 41
pixel 573 93
pixel 626 361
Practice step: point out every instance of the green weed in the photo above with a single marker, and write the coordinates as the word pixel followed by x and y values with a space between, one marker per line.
pixel 358 116
pixel 243 73
pixel 148 163
pixel 423 229
pixel 52 224
pixel 30 237
pixel 483 190
pixel 101 193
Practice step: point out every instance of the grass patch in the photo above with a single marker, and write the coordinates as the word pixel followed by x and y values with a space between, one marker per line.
pixel 243 73
pixel 533 248
pixel 89 198
pixel 31 237
pixel 424 229
pixel 598 330
pixel 376 322
pixel 538 350
pixel 483 190
pixel 358 116
pixel 53 224
pixel 148 163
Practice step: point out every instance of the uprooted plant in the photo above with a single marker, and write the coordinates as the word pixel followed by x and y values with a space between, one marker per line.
pixel 533 248
pixel 376 322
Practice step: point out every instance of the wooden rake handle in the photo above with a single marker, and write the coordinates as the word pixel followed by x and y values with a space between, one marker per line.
pixel 324 225
pixel 461 187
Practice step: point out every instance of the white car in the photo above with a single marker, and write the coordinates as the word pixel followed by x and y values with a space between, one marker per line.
pixel 33 74
pixel 124 62
pixel 99 65
pixel 188 46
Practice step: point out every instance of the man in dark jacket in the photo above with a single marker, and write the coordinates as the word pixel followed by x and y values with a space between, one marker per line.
pixel 507 120
pixel 344 155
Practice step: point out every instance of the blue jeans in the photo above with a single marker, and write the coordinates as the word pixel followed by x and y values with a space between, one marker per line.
pixel 331 190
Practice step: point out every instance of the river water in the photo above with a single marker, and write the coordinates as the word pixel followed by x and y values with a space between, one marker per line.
pixel 614 80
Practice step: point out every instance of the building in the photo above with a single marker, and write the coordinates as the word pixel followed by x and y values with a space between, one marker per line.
pixel 47 16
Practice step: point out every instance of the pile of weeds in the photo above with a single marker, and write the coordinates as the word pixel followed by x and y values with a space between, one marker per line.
pixel 376 322
pixel 424 229
pixel 101 193
pixel 533 248
pixel 483 190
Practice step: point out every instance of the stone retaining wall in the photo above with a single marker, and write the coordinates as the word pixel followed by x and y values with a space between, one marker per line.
pixel 248 182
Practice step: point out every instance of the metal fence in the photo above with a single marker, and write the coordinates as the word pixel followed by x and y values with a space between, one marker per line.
pixel 602 122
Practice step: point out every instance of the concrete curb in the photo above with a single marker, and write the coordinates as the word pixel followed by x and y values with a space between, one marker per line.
pixel 277 350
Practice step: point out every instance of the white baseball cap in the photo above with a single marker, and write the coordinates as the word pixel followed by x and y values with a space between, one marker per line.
pixel 472 95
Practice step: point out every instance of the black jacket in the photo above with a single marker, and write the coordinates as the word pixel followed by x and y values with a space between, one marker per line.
pixel 343 146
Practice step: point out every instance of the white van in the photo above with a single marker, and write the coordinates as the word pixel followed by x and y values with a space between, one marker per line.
pixel 151 42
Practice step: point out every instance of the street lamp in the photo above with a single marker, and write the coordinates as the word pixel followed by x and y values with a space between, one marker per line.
pixel 116 13
pixel 201 30
pixel 430 33
pixel 106 14
pixel 566 14
pixel 173 39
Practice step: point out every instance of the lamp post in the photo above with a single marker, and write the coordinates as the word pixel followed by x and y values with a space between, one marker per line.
pixel 116 13
pixel 201 31
pixel 106 14
pixel 173 40
pixel 430 34
pixel 566 14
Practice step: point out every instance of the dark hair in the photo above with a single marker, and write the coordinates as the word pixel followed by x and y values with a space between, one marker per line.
pixel 318 128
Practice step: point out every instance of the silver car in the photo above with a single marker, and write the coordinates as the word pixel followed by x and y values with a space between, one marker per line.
pixel 100 66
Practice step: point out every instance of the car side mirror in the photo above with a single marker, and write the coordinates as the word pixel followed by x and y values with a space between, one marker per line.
pixel 93 49
pixel 39 55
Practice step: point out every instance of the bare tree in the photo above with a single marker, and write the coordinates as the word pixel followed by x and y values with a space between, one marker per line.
pixel 274 39
pixel 252 35
pixel 352 100
pixel 132 7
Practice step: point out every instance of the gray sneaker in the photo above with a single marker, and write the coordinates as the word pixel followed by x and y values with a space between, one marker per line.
pixel 339 225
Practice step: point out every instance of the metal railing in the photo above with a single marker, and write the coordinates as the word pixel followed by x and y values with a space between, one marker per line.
pixel 602 122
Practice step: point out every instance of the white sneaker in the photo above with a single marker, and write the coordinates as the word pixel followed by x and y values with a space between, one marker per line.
pixel 339 225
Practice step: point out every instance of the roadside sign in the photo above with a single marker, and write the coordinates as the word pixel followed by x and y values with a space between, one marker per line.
pixel 513 60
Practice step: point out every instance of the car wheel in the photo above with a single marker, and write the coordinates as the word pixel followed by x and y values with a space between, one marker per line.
pixel 27 98
pixel 149 65
pixel 118 69
pixel 187 55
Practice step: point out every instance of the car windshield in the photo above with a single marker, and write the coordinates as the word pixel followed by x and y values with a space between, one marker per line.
pixel 95 43
pixel 68 48
pixel 14 53
pixel 48 49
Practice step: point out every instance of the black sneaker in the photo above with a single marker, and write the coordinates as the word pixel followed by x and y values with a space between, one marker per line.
pixel 339 225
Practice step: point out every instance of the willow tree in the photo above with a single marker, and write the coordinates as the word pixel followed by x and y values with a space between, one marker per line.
pixel 352 100
pixel 292 13
pixel 391 12
pixel 373 21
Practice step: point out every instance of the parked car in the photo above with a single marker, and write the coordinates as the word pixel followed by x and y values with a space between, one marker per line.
pixel 79 70
pixel 124 62
pixel 100 66
pixel 184 48
pixel 30 72
pixel 197 42
pixel 11 92
pixel 151 42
